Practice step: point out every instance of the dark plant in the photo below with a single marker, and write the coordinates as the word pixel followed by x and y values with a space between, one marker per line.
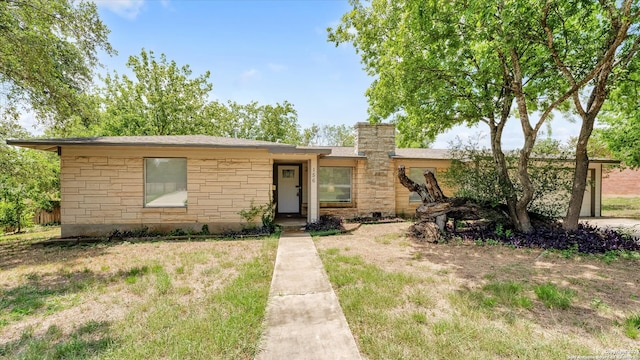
pixel 586 239
pixel 325 222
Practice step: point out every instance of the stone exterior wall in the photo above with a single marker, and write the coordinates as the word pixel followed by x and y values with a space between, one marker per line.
pixel 103 189
pixel 375 179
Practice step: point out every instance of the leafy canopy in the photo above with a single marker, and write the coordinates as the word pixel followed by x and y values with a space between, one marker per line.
pixel 48 49
pixel 162 99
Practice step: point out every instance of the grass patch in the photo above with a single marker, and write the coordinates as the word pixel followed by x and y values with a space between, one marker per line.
pixel 632 326
pixel 552 297
pixel 226 324
pixel 33 233
pixel 396 316
pixel 628 207
pixel 387 238
pixel 325 232
pixel 37 296
pixel 505 294
pixel 87 340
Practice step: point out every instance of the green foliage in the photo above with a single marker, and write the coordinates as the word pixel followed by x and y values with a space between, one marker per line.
pixel 48 49
pixel 621 118
pixel 473 174
pixel 161 99
pixel 275 123
pixel 438 64
pixel 552 297
pixel 632 326
pixel 29 180
pixel 328 135
pixel 266 212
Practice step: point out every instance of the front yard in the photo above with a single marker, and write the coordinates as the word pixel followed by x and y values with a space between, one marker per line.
pixel 412 301
pixel 402 300
pixel 186 299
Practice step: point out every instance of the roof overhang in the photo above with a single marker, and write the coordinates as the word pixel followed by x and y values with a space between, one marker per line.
pixel 54 145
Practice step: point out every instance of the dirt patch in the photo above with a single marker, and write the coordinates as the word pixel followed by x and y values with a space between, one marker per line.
pixel 69 286
pixel 604 293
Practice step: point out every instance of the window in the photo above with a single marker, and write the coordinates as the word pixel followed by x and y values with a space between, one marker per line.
pixel 335 184
pixel 417 175
pixel 165 182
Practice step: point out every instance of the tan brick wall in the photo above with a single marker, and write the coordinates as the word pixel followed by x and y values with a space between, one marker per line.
pixel 106 186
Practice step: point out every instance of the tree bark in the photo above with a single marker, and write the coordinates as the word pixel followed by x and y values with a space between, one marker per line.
pixel 429 192
pixel 436 208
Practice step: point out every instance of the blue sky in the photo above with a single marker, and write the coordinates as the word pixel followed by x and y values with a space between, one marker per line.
pixel 268 51
pixel 263 50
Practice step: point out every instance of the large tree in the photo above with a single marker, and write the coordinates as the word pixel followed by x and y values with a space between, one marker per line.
pixel 328 135
pixel 161 99
pixel 48 49
pixel 276 123
pixel 442 63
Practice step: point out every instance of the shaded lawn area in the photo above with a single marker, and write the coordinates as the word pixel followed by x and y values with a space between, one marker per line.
pixel 473 301
pixel 618 206
pixel 188 299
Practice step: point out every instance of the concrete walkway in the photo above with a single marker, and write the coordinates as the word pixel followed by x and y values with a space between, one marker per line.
pixel 304 319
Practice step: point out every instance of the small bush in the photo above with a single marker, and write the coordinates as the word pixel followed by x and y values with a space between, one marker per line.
pixel 325 223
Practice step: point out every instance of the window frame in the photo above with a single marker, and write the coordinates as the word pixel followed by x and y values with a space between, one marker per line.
pixel 144 190
pixel 335 204
pixel 413 197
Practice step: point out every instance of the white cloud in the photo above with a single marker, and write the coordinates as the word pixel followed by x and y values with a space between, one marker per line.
pixel 249 75
pixel 128 9
pixel 277 67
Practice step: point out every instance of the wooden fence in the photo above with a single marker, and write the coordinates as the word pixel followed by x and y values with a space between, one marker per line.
pixel 47 217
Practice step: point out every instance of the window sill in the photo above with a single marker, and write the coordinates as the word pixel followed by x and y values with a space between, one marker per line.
pixel 337 205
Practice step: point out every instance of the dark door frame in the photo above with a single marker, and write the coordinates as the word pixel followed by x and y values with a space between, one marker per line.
pixel 300 187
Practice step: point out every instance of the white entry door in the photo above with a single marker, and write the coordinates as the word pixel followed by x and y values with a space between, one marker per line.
pixel 288 189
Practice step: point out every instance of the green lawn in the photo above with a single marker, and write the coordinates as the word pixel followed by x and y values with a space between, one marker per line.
pixel 627 207
pixel 33 233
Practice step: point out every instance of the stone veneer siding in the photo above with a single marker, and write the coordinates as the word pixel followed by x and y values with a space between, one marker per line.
pixel 375 179
pixel 103 189
pixel 373 189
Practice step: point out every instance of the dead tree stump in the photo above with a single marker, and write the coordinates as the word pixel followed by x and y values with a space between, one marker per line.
pixel 436 208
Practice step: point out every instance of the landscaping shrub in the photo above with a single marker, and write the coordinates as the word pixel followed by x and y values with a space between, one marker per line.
pixel 587 238
pixel 325 222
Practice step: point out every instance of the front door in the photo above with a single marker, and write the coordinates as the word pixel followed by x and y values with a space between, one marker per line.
pixel 288 188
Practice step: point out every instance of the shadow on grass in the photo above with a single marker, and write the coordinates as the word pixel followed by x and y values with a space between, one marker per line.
pixel 44 293
pixel 87 340
pixel 21 253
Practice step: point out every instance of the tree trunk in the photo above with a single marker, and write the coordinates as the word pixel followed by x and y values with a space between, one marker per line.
pixel 429 192
pixel 436 208
pixel 503 174
pixel 579 176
